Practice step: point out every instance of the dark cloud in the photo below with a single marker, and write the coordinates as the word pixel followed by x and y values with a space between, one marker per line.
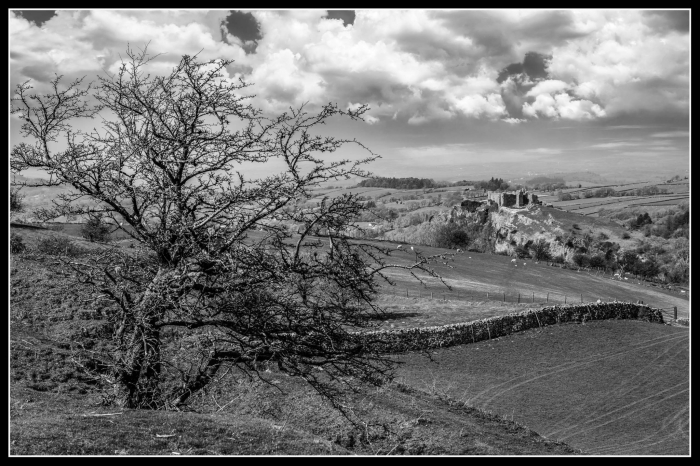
pixel 40 73
pixel 553 27
pixel 348 16
pixel 534 66
pixel 665 20
pixel 244 26
pixel 365 86
pixel 38 17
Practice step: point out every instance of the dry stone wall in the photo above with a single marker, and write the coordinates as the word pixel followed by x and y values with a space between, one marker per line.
pixel 417 339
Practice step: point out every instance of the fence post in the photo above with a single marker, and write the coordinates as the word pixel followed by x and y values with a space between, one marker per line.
pixel 431 295
pixel 675 313
pixel 504 296
pixel 533 296
pixel 407 292
pixel 518 298
pixel 487 295
pixel 547 297
pixel 581 297
pixel 564 299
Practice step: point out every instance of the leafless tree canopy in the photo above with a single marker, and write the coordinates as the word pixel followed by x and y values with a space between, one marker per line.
pixel 220 280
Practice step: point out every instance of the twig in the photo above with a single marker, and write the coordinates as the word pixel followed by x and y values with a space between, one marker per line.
pixel 105 414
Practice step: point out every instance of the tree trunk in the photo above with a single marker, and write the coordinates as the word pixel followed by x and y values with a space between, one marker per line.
pixel 138 371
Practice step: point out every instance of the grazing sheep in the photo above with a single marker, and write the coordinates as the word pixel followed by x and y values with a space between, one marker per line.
pixel 626 278
pixel 411 248
pixel 400 246
pixel 470 257
pixel 682 291
pixel 459 250
pixel 524 263
pixel 513 260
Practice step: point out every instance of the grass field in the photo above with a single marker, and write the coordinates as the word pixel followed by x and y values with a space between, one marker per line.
pixel 591 205
pixel 472 275
pixel 607 387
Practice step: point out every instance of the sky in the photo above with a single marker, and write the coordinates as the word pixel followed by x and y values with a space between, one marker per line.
pixel 453 94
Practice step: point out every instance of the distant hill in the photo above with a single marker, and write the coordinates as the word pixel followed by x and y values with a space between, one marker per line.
pixel 544 180
pixel 588 176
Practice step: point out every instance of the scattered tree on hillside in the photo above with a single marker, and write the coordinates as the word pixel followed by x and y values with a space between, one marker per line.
pixel 219 281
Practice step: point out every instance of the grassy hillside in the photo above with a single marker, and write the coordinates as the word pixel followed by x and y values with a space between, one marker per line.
pixel 607 387
pixel 55 408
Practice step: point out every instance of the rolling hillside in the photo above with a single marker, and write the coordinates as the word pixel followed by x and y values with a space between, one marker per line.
pixel 607 387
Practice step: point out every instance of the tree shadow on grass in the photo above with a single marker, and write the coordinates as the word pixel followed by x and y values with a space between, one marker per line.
pixel 391 315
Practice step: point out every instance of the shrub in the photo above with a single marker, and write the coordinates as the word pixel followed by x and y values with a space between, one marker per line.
pixel 597 261
pixel 581 260
pixel 17 245
pixel 58 246
pixel 450 236
pixel 540 250
pixel 95 230
pixel 625 235
pixel 521 251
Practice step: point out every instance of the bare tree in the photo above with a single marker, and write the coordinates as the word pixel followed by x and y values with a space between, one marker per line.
pixel 220 279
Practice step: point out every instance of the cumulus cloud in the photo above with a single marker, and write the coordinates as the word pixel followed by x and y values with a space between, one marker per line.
pixel 624 66
pixel 414 66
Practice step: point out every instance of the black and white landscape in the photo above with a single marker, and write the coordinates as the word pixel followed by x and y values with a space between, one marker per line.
pixel 349 232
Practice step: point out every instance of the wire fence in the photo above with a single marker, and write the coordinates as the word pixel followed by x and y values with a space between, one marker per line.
pixel 516 297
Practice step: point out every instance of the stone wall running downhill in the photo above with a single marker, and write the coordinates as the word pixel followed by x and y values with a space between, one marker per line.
pixel 417 339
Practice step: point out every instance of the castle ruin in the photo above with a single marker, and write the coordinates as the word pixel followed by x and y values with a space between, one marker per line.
pixel 516 199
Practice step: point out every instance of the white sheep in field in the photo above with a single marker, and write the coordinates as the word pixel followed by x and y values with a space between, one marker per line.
pixel 513 260
pixel 524 263
pixel 459 250
pixel 400 246
pixel 626 278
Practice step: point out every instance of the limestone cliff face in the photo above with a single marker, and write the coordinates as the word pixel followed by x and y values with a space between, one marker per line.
pixel 511 227
pixel 518 226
